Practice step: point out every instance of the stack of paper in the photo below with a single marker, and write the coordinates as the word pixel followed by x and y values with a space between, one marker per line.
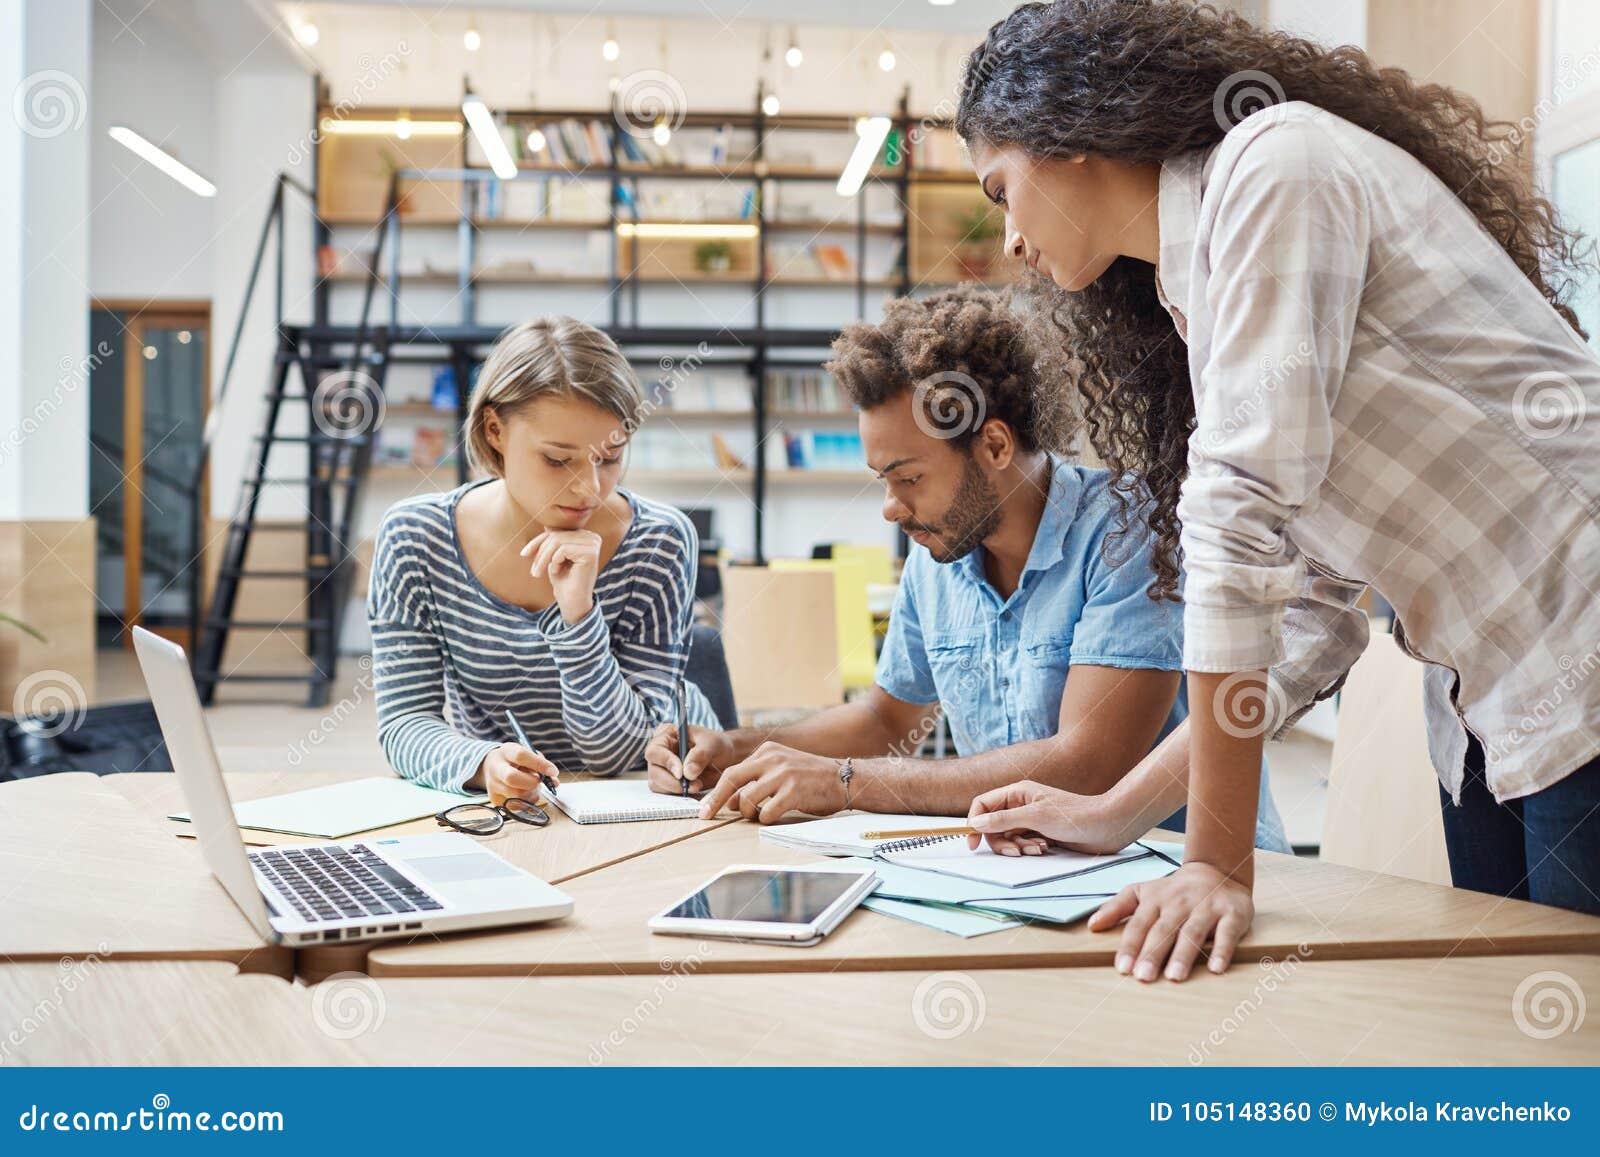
pixel 943 884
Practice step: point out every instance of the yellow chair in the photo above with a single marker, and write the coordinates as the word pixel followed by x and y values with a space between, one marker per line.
pixel 858 660
pixel 877 559
pixel 774 633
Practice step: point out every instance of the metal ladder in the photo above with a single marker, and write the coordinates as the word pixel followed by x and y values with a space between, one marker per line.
pixel 344 398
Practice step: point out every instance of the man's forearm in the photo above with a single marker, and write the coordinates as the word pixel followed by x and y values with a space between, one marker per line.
pixel 948 786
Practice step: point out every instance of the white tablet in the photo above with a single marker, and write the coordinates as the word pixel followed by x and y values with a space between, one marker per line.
pixel 796 906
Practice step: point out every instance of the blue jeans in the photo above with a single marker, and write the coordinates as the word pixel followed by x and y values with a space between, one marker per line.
pixel 1544 847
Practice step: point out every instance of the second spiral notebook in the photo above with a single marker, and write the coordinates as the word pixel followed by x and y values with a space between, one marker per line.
pixel 950 856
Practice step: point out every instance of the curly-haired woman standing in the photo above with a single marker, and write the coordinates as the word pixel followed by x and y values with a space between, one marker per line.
pixel 1322 332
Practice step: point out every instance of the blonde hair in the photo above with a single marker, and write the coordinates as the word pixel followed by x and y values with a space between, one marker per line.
pixel 551 356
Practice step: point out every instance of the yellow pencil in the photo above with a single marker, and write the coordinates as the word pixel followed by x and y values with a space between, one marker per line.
pixel 915 833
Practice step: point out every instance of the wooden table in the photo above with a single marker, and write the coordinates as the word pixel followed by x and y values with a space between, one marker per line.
pixel 560 852
pixel 1305 909
pixel 83 873
pixel 1456 1011
pixel 174 1012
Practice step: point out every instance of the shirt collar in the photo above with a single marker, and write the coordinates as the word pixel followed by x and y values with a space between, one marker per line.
pixel 1049 540
pixel 1178 216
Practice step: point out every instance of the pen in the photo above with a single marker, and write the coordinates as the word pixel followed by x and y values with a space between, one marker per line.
pixel 683 732
pixel 522 738
pixel 913 833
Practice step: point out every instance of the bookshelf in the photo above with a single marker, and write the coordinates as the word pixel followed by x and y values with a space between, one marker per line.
pixel 731 237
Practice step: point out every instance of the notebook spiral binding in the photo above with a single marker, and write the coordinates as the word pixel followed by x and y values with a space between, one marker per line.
pixel 911 845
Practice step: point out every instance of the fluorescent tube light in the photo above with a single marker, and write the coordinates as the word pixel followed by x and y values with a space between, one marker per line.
pixel 163 160
pixel 872 132
pixel 731 229
pixel 481 121
pixel 399 127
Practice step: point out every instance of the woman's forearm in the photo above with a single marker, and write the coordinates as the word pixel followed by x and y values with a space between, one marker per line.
pixel 1227 722
pixel 1156 787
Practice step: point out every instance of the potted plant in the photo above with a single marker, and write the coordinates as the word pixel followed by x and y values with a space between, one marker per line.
pixel 713 257
pixel 980 229
pixel 22 626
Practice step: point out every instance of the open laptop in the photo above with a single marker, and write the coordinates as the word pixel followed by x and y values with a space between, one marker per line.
pixel 353 890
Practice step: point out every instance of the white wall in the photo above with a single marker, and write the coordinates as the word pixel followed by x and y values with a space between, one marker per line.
pixel 149 235
pixel 44 316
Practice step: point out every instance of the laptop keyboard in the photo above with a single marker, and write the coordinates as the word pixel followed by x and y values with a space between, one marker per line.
pixel 336 883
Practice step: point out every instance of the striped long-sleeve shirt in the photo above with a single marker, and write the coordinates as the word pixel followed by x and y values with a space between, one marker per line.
pixel 450 658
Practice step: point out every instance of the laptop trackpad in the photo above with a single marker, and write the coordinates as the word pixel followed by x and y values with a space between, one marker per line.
pixel 460 868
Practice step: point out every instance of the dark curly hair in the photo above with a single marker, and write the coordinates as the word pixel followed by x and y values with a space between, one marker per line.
pixel 1138 81
pixel 968 354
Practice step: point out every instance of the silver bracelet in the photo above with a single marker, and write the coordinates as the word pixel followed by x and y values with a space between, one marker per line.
pixel 846 772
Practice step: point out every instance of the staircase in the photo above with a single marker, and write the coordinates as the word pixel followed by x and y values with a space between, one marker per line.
pixel 342 391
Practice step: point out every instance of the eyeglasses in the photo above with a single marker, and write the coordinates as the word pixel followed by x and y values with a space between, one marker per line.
pixel 481 819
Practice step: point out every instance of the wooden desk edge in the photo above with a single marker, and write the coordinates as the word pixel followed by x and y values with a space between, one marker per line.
pixel 1271 953
pixel 268 960
pixel 315 964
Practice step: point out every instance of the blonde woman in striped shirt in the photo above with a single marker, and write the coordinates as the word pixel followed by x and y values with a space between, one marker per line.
pixel 546 589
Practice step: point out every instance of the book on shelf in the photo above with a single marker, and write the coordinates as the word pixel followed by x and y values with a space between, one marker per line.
pixel 713 388
pixel 726 458
pixel 430 445
pixel 823 449
pixel 804 390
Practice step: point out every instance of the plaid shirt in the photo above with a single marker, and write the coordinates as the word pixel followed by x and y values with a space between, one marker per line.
pixel 1382 400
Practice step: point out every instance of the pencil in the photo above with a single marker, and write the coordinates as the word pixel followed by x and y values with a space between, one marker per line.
pixel 522 738
pixel 914 833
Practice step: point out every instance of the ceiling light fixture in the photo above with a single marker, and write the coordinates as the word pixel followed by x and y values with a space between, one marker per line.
pixel 871 132
pixel 163 160
pixel 487 133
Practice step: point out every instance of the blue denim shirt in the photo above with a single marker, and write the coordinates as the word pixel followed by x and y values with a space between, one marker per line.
pixel 997 666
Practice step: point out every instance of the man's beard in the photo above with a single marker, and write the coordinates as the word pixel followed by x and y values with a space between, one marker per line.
pixel 973 516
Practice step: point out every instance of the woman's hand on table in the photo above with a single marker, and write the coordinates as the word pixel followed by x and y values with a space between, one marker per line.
pixel 709 752
pixel 571 559
pixel 511 771
pixel 1169 921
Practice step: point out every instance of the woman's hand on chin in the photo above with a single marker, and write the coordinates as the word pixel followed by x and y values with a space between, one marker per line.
pixel 571 560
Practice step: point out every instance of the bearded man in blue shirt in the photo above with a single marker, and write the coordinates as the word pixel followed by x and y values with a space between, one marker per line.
pixel 1023 612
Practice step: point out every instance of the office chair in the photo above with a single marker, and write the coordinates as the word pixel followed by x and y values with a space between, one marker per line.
pixel 708 670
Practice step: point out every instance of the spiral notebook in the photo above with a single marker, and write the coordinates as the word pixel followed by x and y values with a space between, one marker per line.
pixel 620 801
pixel 950 856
